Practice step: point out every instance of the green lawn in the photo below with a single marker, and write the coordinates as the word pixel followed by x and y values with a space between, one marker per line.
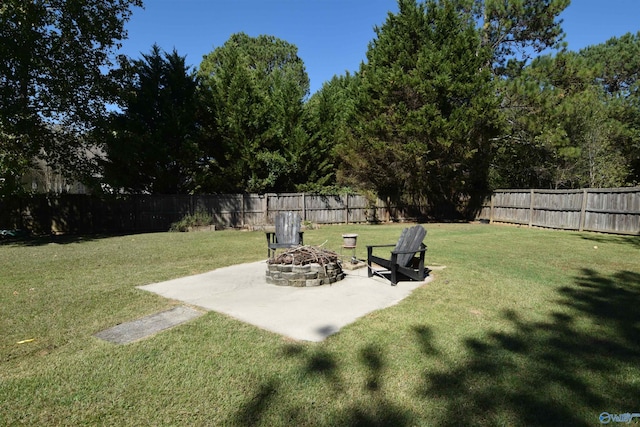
pixel 522 327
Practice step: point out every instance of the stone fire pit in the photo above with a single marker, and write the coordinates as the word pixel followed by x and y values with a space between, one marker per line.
pixel 304 266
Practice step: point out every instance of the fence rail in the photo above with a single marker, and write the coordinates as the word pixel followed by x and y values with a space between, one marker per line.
pixel 144 213
pixel 607 210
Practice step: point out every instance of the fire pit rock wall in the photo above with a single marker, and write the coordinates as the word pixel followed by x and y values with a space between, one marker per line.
pixel 304 275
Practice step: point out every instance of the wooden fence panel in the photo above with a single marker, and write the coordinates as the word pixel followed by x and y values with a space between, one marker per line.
pixel 71 214
pixel 485 212
pixel 557 209
pixel 358 208
pixel 283 202
pixel 322 209
pixel 10 214
pixel 36 214
pixel 113 215
pixel 226 209
pixel 613 210
pixel 158 213
pixel 603 210
pixel 254 209
pixel 146 213
pixel 513 206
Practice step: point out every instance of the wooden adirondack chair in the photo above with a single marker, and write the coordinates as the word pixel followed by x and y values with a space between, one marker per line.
pixel 403 261
pixel 287 234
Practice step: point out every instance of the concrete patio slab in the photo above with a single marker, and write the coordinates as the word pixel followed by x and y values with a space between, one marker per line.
pixel 309 314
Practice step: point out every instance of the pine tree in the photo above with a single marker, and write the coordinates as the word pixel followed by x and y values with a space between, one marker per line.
pixel 426 110
pixel 152 146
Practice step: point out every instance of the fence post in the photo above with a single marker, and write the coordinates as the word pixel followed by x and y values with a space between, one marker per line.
pixel 491 206
pixel 346 208
pixel 304 207
pixel 242 213
pixel 583 211
pixel 265 209
pixel 531 208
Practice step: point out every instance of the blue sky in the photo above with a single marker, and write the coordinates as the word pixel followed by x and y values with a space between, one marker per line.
pixel 331 35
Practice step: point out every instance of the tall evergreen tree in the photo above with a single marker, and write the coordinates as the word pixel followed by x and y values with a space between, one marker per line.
pixel 328 115
pixel 617 71
pixel 254 89
pixel 426 111
pixel 152 145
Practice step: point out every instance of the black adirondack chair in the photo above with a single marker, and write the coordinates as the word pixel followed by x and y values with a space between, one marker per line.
pixel 287 234
pixel 407 257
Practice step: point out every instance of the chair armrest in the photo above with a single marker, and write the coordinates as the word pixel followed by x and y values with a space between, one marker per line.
pixel 371 247
pixel 381 246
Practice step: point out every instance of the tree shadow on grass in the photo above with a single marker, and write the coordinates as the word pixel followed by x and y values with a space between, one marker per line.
pixel 565 370
pixel 61 239
pixel 633 241
pixel 377 409
pixel 321 366
pixel 250 413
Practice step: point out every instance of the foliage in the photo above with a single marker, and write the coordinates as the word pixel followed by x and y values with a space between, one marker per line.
pixel 325 190
pixel 199 218
pixel 52 85
pixel 448 105
pixel 426 109
pixel 617 72
pixel 515 30
pixel 152 145
pixel 567 129
pixel 254 89
pixel 328 115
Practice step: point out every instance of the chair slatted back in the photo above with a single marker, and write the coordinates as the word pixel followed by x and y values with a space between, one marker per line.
pixel 287 228
pixel 409 240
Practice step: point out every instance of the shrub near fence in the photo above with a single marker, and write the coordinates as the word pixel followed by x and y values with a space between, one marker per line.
pixel 607 210
pixel 70 213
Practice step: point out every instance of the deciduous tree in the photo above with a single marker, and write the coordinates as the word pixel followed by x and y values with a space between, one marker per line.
pixel 52 85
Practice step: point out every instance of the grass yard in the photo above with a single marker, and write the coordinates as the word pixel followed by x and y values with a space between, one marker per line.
pixel 522 327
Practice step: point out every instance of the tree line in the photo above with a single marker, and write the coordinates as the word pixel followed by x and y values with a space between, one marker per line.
pixel 455 98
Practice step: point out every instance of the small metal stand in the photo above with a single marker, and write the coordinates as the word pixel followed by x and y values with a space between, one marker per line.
pixel 354 260
pixel 349 244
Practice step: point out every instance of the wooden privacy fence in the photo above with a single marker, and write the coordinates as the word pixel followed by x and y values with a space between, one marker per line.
pixel 607 210
pixel 143 213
